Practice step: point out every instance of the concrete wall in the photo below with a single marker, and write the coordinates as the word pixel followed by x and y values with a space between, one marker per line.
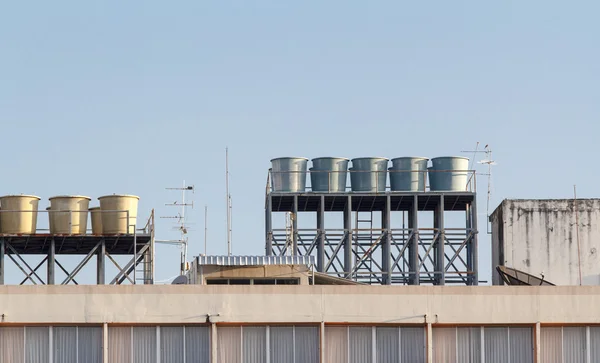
pixel 540 236
pixel 190 304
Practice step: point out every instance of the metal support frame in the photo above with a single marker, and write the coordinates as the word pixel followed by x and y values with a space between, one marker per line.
pixel 413 254
pixel 140 245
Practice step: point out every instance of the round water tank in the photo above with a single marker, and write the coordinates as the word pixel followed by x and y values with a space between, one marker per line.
pixel 96 217
pixel 288 174
pixel 19 214
pixel 449 173
pixel 69 214
pixel 119 213
pixel 408 174
pixel 329 174
pixel 368 174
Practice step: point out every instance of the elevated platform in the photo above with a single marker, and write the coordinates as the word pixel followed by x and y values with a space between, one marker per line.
pixel 40 244
pixel 367 202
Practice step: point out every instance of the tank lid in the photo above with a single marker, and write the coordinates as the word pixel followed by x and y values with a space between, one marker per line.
pixel 411 157
pixel 120 195
pixel 371 157
pixel 20 195
pixel 290 157
pixel 450 157
pixel 69 196
pixel 330 157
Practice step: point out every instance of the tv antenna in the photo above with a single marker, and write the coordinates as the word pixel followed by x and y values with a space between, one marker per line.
pixel 182 225
pixel 228 196
pixel 489 162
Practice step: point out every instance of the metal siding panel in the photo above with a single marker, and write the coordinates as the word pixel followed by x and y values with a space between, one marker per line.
pixel 89 342
pixel 551 345
pixel 307 344
pixel 496 345
pixel 254 340
pixel 387 345
pixel 119 344
pixel 65 344
pixel 12 344
pixel 171 344
pixel 197 344
pixel 360 341
pixel 282 344
pixel 229 345
pixel 444 345
pixel 595 343
pixel 574 342
pixel 37 340
pixel 412 345
pixel 521 345
pixel 468 345
pixel 255 260
pixel 144 344
pixel 336 344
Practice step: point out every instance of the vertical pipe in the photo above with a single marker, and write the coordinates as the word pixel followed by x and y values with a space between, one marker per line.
pixel 228 201
pixel 413 248
pixel 213 343
pixel 386 257
pixel 440 255
pixel 100 265
pixel 474 245
pixel 429 355
pixel 104 343
pixel 321 235
pixel 269 226
pixel 538 342
pixel 1 261
pixel 322 341
pixel 348 241
pixel 295 226
pixel 468 225
pixel 50 263
pixel 205 228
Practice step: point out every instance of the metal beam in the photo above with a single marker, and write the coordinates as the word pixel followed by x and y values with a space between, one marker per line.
pixel 474 245
pixel 269 226
pixel 1 261
pixel 118 267
pixel 34 270
pixel 81 264
pixel 413 249
pixel 13 251
pixel 101 264
pixel 386 254
pixel 321 235
pixel 50 266
pixel 348 241
pixel 440 257
pixel 129 267
pixel 295 226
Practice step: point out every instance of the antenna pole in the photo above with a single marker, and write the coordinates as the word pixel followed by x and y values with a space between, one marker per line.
pixel 228 199
pixel 575 206
pixel 205 227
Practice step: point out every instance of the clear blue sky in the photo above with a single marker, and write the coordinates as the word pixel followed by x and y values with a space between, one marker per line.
pixel 100 97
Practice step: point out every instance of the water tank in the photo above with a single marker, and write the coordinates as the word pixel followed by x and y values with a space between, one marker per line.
pixel 329 174
pixel 96 217
pixel 368 174
pixel 288 174
pixel 119 213
pixel 19 214
pixel 449 173
pixel 69 214
pixel 408 174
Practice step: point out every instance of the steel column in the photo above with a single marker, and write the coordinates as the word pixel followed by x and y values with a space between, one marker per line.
pixel 474 245
pixel 1 261
pixel 321 235
pixel 413 249
pixel 101 265
pixel 51 277
pixel 440 257
pixel 386 255
pixel 348 241
pixel 269 226
pixel 295 226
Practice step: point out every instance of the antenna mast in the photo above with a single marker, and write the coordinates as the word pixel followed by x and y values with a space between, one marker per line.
pixel 228 196
pixel 489 162
pixel 182 225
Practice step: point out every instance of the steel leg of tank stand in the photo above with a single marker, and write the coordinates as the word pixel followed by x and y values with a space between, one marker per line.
pixel 386 257
pixel 321 232
pixel 269 226
pixel 295 226
pixel 51 263
pixel 440 257
pixel 100 265
pixel 348 241
pixel 413 249
pixel 1 261
pixel 474 245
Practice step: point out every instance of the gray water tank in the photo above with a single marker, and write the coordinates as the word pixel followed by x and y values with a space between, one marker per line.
pixel 368 174
pixel 448 173
pixel 288 174
pixel 329 174
pixel 408 174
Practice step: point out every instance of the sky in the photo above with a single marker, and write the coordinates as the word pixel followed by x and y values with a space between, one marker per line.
pixel 102 97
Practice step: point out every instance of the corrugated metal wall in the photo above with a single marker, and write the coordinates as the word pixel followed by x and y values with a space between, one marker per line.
pixel 570 344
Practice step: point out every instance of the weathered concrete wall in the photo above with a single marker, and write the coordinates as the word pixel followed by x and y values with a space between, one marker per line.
pixel 190 304
pixel 540 237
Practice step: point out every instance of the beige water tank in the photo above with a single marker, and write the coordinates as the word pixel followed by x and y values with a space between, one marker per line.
pixel 19 214
pixel 96 220
pixel 69 214
pixel 119 213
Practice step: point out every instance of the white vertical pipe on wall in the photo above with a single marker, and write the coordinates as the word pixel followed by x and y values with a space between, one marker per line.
pixel 538 341
pixel 105 343
pixel 322 340
pixel 213 343
pixel 429 344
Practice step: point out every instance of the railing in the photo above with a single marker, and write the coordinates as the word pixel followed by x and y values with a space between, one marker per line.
pixel 70 227
pixel 369 181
